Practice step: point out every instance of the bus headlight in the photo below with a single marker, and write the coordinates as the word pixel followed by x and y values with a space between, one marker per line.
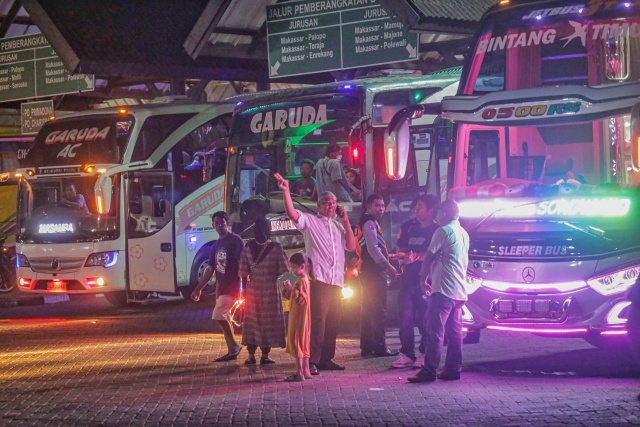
pixel 473 283
pixel 104 259
pixel 616 282
pixel 22 261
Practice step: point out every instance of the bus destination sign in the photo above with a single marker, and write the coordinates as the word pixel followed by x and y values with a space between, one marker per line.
pixel 30 68
pixel 313 36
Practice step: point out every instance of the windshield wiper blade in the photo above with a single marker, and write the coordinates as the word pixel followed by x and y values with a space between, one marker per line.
pixel 591 231
pixel 492 213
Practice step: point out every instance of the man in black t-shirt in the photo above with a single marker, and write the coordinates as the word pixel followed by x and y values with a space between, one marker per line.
pixel 413 242
pixel 223 261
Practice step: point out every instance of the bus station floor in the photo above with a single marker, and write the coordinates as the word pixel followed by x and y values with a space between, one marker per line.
pixel 87 363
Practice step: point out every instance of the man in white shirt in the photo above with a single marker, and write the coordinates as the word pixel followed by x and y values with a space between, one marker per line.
pixel 447 259
pixel 325 238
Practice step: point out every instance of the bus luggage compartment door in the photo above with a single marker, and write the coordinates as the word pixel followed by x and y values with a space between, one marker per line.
pixel 150 232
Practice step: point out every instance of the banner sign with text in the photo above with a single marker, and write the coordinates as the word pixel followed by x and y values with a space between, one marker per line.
pixel 313 36
pixel 30 68
pixel 34 114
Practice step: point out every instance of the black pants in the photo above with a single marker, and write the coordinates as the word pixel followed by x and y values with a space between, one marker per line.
pixel 326 310
pixel 413 311
pixel 252 349
pixel 374 308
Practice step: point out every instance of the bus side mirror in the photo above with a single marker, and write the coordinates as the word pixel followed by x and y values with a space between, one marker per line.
pixel 635 137
pixel 396 148
pixel 397 137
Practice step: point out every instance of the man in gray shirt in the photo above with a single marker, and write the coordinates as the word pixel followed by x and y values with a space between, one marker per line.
pixel 447 259
pixel 330 176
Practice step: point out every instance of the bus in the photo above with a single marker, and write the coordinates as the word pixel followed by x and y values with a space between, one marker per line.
pixel 276 132
pixel 150 177
pixel 544 164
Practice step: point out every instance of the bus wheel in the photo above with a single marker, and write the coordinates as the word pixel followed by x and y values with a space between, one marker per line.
pixel 200 264
pixel 118 298
pixel 7 281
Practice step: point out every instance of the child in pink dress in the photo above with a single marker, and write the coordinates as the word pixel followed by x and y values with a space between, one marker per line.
pixel 299 333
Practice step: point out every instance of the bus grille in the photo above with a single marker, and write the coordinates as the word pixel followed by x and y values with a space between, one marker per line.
pixel 63 264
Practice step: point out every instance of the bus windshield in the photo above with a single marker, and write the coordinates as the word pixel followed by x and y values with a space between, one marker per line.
pixel 576 155
pixel 64 210
pixel 279 137
pixel 553 44
pixel 62 145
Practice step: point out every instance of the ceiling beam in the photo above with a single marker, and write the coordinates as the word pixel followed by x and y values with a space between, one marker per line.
pixel 204 27
pixel 228 50
pixel 11 16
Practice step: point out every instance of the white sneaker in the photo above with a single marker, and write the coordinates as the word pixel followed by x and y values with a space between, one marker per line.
pixel 403 362
pixel 419 361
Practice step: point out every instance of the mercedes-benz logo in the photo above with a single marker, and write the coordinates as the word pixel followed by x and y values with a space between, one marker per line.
pixel 528 274
pixel 55 264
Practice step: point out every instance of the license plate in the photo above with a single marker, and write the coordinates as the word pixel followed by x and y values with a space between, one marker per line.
pixel 56 286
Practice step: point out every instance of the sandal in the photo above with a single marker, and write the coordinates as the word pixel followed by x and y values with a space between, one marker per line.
pixel 232 355
pixel 294 378
pixel 266 360
pixel 307 377
pixel 250 361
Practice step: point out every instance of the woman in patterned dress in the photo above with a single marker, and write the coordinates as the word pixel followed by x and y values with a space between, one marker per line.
pixel 262 262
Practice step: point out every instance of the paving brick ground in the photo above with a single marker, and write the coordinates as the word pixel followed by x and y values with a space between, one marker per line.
pixel 86 363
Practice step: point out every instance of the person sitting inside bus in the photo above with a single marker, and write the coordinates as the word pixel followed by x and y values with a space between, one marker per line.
pixel 355 184
pixel 198 162
pixel 330 176
pixel 73 200
pixel 306 184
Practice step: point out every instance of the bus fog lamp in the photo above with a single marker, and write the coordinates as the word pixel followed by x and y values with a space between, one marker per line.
pixel 347 292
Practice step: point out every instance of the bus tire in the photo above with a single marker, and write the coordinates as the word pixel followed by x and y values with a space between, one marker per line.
pixel 117 298
pixel 7 281
pixel 200 264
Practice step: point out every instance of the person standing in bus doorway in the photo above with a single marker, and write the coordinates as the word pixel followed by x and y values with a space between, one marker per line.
pixel 447 259
pixel 330 176
pixel 73 200
pixel 325 238
pixel 306 184
pixel 223 261
pixel 375 273
pixel 413 241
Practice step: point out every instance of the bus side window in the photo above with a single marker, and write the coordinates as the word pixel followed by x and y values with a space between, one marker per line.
pixel 205 147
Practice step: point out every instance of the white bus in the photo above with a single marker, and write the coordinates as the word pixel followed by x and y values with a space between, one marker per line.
pixel 544 164
pixel 150 176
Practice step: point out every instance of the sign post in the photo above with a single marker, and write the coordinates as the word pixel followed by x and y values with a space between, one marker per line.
pixel 30 68
pixel 312 36
pixel 34 114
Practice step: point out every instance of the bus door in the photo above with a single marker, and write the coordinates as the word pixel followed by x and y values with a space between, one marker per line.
pixel 150 232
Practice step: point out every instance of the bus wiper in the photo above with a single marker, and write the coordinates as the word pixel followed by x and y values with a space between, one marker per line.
pixel 591 231
pixel 492 213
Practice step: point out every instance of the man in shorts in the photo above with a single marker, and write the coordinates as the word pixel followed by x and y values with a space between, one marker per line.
pixel 223 261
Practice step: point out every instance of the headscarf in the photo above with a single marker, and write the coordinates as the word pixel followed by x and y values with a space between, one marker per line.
pixel 262 233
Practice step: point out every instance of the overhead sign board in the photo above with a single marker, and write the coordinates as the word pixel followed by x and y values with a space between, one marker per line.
pixel 30 68
pixel 34 114
pixel 312 36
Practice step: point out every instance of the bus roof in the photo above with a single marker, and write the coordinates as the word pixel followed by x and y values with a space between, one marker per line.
pixel 163 105
pixel 380 82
